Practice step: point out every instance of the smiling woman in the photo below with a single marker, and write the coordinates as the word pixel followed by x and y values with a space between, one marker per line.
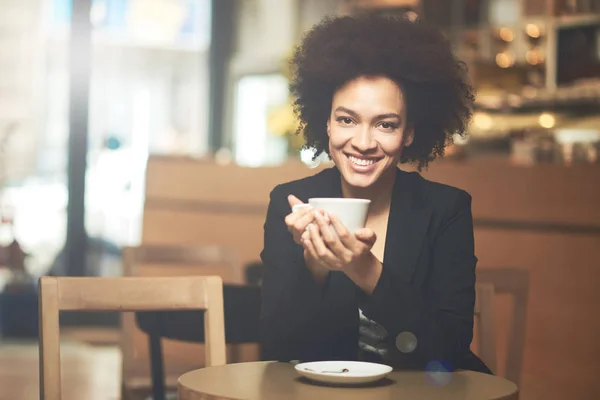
pixel 372 92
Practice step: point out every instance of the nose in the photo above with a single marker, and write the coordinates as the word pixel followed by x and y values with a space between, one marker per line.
pixel 363 140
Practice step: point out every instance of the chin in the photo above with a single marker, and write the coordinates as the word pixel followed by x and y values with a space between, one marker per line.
pixel 359 181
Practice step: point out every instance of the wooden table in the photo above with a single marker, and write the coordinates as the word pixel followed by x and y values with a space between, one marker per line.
pixel 279 381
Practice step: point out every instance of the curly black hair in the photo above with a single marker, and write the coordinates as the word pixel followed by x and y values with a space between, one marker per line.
pixel 417 57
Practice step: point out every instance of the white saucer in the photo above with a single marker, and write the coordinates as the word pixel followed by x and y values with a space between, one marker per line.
pixel 343 372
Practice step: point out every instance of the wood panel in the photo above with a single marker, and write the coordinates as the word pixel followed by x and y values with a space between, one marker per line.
pixel 501 191
pixel 544 193
pixel 187 180
pixel 242 231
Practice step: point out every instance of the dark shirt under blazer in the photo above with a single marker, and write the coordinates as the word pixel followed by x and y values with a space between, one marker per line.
pixel 426 286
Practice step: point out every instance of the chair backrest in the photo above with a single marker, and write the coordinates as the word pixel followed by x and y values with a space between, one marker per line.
pixel 492 282
pixel 169 260
pixel 124 294
pixel 485 326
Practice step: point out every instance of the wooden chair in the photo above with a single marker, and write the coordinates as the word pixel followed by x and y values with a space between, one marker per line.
pixel 484 324
pixel 491 282
pixel 143 346
pixel 124 294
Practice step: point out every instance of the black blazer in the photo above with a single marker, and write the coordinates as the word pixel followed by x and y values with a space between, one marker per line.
pixel 427 285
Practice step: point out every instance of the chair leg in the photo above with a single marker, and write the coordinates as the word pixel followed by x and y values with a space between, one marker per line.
pixel 156 366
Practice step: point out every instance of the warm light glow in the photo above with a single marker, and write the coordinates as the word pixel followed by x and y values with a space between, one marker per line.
pixel 482 121
pixel 547 120
pixel 506 34
pixel 533 31
pixel 505 60
pixel 411 16
pixel 534 57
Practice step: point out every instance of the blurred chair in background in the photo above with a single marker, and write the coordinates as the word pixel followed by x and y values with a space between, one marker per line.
pixel 499 281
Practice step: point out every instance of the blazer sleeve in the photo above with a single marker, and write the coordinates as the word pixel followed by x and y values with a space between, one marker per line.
pixel 439 319
pixel 294 308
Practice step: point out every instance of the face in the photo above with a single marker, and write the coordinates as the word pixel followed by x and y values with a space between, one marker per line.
pixel 367 130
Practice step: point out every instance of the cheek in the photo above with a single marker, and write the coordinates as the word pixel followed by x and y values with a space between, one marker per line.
pixel 391 146
pixel 339 137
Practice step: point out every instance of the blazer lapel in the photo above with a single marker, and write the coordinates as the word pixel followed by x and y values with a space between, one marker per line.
pixel 407 227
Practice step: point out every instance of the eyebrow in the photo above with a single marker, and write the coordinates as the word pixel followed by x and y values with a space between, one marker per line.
pixel 355 114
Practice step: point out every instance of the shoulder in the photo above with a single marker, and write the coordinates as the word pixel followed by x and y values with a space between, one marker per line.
pixel 440 193
pixel 443 199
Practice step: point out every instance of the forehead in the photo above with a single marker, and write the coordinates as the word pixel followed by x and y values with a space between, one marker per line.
pixel 370 95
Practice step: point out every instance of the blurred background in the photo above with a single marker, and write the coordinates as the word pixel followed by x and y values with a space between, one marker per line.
pixel 130 122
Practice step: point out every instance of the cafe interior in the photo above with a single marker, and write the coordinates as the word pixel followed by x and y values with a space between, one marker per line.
pixel 141 139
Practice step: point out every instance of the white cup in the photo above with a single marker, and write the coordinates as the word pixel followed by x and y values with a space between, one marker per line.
pixel 351 212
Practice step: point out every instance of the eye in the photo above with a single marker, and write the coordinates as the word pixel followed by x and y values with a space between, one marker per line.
pixel 344 120
pixel 388 126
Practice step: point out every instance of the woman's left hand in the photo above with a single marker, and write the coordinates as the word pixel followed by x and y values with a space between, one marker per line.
pixel 342 252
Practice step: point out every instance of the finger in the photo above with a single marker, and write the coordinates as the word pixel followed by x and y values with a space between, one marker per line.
pixel 331 240
pixel 366 235
pixel 312 253
pixel 308 246
pixel 293 200
pixel 323 253
pixel 295 219
pixel 348 240
pixel 303 220
pixel 301 206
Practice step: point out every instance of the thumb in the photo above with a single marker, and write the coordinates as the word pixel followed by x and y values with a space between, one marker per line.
pixel 293 200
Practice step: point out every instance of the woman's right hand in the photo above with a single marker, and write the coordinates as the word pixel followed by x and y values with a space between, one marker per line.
pixel 298 220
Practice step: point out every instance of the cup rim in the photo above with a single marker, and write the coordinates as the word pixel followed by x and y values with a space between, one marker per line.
pixel 341 200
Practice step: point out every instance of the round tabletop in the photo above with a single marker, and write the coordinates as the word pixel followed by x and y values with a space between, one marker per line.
pixel 279 381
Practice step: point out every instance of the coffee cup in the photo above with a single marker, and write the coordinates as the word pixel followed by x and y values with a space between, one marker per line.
pixel 351 212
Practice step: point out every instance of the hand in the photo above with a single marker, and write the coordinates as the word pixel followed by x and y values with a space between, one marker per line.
pixel 297 223
pixel 344 251
pixel 298 220
pixel 341 252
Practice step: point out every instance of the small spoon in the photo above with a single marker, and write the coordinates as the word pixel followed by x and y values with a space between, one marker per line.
pixel 329 372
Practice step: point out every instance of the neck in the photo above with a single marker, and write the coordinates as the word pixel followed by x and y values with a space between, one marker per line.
pixel 379 193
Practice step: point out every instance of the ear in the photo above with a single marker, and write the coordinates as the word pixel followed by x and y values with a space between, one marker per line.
pixel 328 128
pixel 409 136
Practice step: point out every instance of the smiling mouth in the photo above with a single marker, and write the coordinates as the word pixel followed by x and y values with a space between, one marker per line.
pixel 363 162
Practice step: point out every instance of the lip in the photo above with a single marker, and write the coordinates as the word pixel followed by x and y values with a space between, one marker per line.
pixel 362 168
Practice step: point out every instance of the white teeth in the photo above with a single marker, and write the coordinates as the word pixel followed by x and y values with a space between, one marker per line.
pixel 360 161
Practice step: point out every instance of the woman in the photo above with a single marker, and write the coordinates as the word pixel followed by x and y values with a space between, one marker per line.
pixel 373 92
